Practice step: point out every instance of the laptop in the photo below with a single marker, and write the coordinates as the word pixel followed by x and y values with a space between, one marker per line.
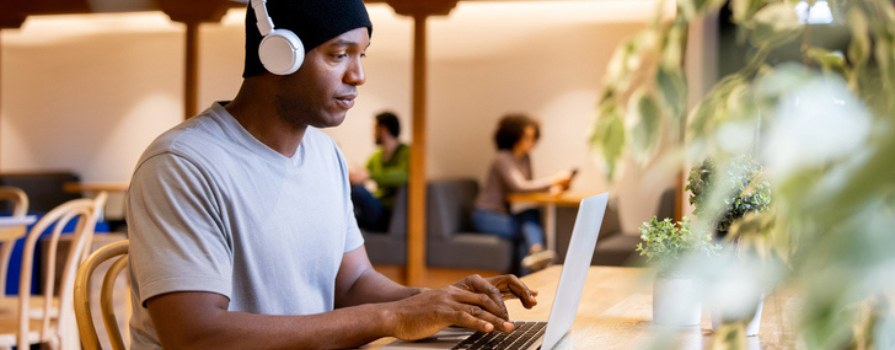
pixel 530 335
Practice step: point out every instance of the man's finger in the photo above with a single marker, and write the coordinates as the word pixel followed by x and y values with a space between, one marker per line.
pixel 510 284
pixel 481 285
pixel 474 317
pixel 484 301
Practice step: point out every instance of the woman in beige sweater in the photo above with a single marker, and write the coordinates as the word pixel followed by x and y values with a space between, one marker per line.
pixel 510 172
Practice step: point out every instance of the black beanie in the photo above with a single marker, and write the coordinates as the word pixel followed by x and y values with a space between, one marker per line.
pixel 313 21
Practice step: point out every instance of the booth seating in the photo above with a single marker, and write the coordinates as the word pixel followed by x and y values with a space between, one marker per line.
pixel 390 248
pixel 451 241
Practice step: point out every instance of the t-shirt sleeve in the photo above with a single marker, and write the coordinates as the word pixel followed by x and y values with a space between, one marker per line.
pixel 177 241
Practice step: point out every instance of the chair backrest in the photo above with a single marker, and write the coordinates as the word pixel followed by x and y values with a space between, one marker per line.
pixel 17 198
pixel 86 328
pixel 86 211
pixel 19 207
pixel 449 206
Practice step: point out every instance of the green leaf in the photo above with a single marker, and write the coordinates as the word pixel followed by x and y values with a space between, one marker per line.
pixel 830 62
pixel 608 137
pixel 672 50
pixel 744 9
pixel 712 106
pixel 673 94
pixel 774 25
pixel 886 60
pixel 859 48
pixel 646 116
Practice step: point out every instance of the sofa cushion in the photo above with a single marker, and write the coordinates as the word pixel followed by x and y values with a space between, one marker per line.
pixel 471 250
pixel 449 207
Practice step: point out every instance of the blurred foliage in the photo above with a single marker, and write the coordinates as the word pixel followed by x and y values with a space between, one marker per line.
pixel 745 191
pixel 824 129
pixel 665 243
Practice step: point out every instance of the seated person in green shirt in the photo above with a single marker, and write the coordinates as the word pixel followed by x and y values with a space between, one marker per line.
pixel 388 168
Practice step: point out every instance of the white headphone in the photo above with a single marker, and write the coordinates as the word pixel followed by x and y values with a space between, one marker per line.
pixel 281 51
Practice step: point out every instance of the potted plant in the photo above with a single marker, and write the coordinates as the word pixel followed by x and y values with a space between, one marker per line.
pixel 665 244
pixel 724 199
pixel 742 190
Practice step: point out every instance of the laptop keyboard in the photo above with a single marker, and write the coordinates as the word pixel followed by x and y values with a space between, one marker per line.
pixel 525 334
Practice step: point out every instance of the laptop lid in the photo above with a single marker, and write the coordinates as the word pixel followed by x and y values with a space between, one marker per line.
pixel 575 267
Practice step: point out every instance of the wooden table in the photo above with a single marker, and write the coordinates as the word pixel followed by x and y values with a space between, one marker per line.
pixel 95 187
pixel 616 313
pixel 549 202
pixel 12 228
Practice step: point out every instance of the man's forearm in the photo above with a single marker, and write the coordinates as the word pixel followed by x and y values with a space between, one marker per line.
pixel 221 329
pixel 373 287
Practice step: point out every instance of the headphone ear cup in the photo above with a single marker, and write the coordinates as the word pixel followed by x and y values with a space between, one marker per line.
pixel 281 52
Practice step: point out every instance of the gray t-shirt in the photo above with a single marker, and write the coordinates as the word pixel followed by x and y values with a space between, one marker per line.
pixel 212 209
pixel 508 175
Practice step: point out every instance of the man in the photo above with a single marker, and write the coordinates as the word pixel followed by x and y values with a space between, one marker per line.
pixel 240 221
pixel 388 168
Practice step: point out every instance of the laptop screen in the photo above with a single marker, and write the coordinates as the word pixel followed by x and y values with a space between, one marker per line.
pixel 575 267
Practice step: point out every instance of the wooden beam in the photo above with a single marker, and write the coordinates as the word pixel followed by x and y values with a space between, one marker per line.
pixel 415 8
pixel 191 71
pixel 416 218
pixel 416 235
pixel 193 13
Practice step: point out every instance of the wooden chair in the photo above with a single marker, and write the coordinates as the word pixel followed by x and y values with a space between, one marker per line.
pixel 47 318
pixel 8 236
pixel 86 328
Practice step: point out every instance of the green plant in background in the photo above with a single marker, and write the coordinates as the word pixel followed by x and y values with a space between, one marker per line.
pixel 823 125
pixel 745 191
pixel 664 243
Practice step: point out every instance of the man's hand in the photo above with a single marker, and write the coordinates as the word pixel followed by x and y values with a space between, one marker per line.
pixel 474 303
pixel 499 287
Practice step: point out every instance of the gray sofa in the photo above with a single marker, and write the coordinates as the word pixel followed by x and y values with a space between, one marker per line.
pixel 390 248
pixel 451 242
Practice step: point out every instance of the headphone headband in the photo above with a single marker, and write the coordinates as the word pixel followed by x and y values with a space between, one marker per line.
pixel 264 22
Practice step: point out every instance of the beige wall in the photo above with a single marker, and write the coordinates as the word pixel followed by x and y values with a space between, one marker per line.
pixel 88 93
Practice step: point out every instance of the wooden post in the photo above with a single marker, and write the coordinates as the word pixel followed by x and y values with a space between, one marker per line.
pixel 192 14
pixel 416 219
pixel 191 70
pixel 416 238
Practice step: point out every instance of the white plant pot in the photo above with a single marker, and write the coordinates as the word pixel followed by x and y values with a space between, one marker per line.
pixel 719 317
pixel 676 302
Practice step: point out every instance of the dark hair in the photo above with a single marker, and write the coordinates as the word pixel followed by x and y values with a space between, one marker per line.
pixel 511 128
pixel 390 121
